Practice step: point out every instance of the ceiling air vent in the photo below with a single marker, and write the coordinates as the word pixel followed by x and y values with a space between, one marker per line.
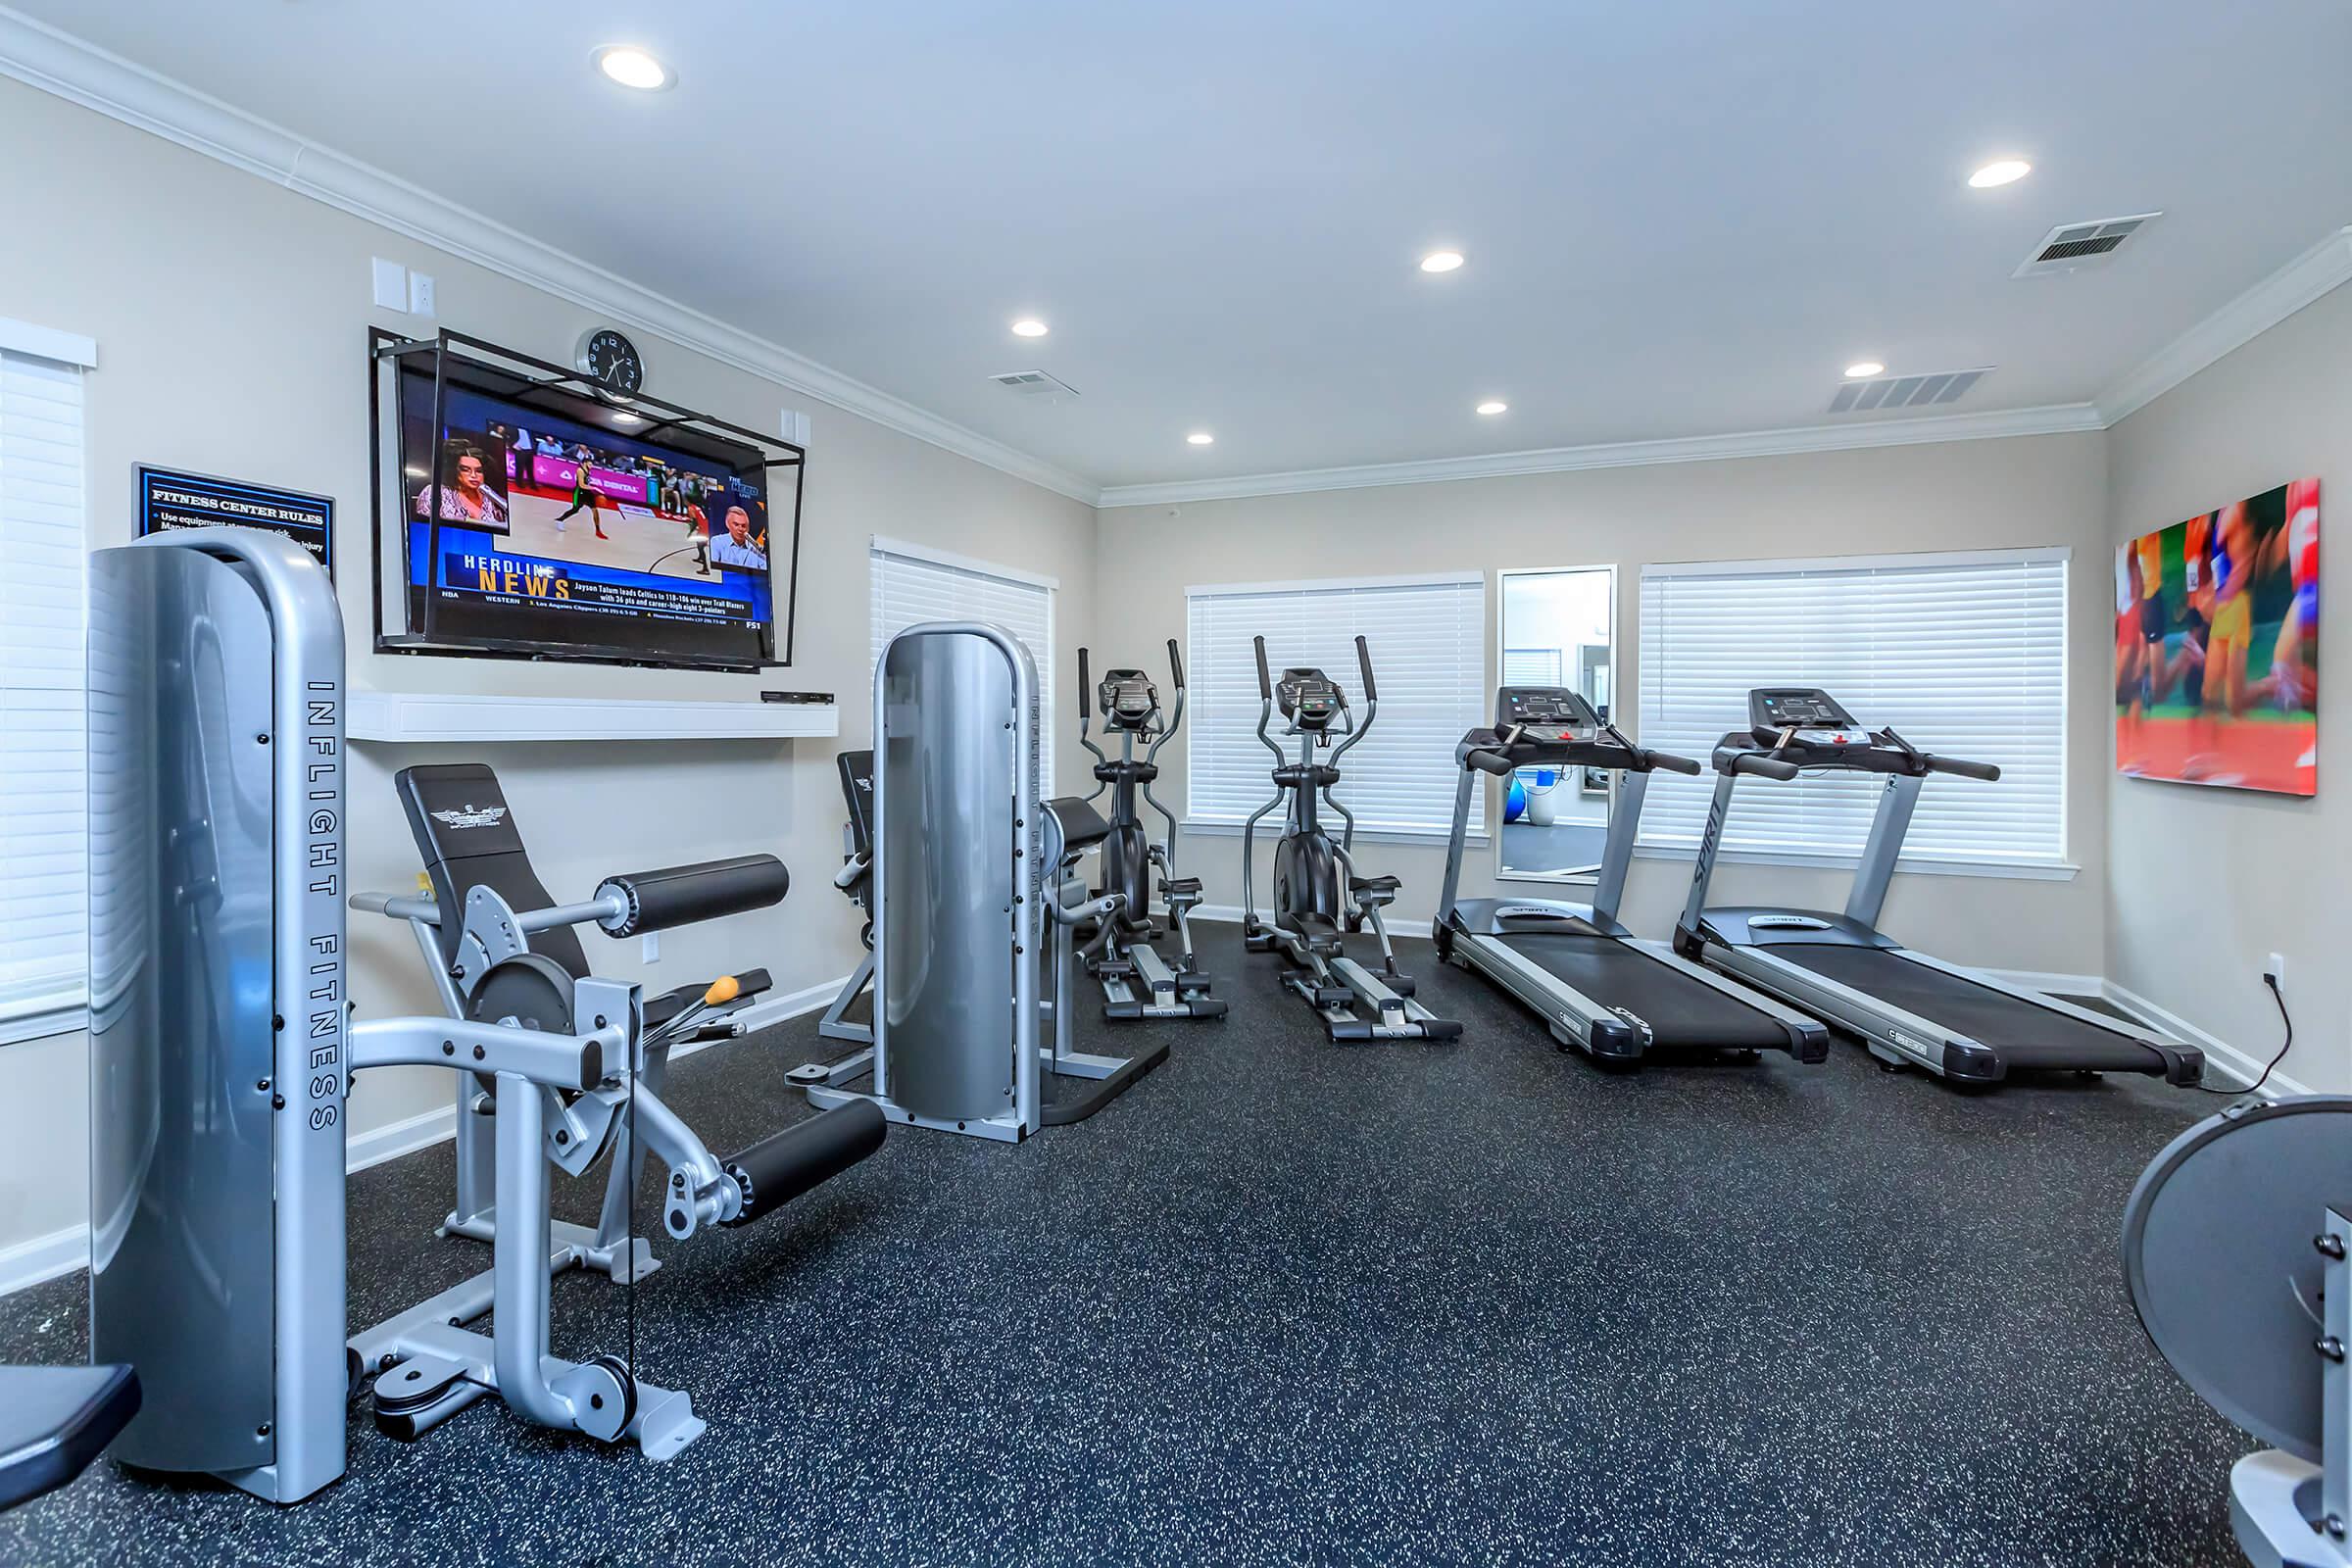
pixel 1034 385
pixel 2071 247
pixel 1905 391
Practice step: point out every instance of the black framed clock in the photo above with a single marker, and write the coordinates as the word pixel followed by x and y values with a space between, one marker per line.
pixel 610 360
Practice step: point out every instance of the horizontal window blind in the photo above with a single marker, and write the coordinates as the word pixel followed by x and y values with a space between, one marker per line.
pixel 1532 667
pixel 1428 642
pixel 44 940
pixel 912 586
pixel 1962 655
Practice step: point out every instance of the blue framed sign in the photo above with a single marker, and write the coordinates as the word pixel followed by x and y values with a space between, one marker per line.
pixel 170 499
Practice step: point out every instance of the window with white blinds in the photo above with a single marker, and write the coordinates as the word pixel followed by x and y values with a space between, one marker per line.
pixel 912 585
pixel 1427 637
pixel 1962 654
pixel 44 932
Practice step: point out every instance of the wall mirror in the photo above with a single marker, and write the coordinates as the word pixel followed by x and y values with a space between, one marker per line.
pixel 1559 628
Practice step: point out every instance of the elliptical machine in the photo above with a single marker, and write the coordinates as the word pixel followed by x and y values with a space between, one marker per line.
pixel 1125 960
pixel 1312 903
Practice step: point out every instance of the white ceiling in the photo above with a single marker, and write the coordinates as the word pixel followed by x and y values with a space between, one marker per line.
pixel 1681 218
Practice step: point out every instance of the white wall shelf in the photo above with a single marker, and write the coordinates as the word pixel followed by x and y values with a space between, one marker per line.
pixel 474 717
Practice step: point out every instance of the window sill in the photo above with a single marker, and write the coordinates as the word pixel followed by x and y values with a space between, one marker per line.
pixel 1270 829
pixel 2012 870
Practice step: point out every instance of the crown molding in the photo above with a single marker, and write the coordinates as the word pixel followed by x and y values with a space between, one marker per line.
pixel 58 63
pixel 1991 425
pixel 2244 318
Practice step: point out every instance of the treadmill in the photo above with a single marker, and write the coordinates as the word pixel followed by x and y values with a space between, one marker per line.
pixel 1598 986
pixel 1909 1008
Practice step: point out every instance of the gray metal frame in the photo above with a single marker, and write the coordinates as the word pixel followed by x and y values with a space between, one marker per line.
pixel 2289 1512
pixel 200 1415
pixel 1162 997
pixel 1892 1034
pixel 1394 1016
pixel 1569 1013
pixel 1036 927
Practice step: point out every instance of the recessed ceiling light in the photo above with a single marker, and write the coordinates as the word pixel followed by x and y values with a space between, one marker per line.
pixel 2001 172
pixel 1861 369
pixel 624 416
pixel 1440 261
pixel 1201 438
pixel 1494 406
pixel 632 67
pixel 1030 326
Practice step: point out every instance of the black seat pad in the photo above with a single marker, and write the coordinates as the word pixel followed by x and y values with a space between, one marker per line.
pixel 1373 884
pixel 1181 886
pixel 53 1420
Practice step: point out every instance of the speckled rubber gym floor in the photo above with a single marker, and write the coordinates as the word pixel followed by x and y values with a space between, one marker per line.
pixel 1294 1302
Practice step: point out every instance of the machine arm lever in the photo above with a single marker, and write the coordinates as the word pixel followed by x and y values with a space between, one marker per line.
pixel 1491 763
pixel 1669 762
pixel 1265 681
pixel 1176 664
pixel 1364 663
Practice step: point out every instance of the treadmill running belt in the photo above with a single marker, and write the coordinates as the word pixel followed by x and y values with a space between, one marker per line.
pixel 2026 1035
pixel 1678 1010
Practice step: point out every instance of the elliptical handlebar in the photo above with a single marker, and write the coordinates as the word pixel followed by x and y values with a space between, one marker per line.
pixel 1176 664
pixel 1265 680
pixel 1086 714
pixel 1356 731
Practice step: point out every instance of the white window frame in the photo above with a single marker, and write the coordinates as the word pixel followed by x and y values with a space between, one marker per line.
pixel 1196 662
pixel 67 1009
pixel 1567 677
pixel 2061 868
pixel 880 545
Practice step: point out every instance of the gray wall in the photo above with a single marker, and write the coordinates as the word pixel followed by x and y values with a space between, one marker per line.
pixel 230 317
pixel 2039 490
pixel 2205 882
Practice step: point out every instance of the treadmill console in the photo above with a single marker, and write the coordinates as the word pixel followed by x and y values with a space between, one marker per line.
pixel 1308 698
pixel 1544 714
pixel 1803 716
pixel 1127 697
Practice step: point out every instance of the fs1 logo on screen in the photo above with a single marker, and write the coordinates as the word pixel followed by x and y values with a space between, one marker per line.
pixel 502 574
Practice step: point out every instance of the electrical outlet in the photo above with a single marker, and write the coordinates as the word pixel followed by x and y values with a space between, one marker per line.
pixel 650 949
pixel 2275 968
pixel 420 294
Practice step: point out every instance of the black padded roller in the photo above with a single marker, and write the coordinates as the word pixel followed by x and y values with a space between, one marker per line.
pixel 680 895
pixel 776 1170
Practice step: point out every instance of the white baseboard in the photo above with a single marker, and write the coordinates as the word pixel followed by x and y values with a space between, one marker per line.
pixel 45 1257
pixel 2219 1054
pixel 2050 983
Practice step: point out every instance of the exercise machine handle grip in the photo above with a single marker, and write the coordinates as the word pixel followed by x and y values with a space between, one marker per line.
pixel 1084 686
pixel 1671 762
pixel 778 1170
pixel 1265 681
pixel 680 895
pixel 1176 664
pixel 1755 762
pixel 1989 772
pixel 1364 661
pixel 1491 763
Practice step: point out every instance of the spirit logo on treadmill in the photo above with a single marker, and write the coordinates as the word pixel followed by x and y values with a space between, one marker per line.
pixel 473 815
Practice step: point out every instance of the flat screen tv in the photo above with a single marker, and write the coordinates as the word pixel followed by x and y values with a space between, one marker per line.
pixel 547 522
